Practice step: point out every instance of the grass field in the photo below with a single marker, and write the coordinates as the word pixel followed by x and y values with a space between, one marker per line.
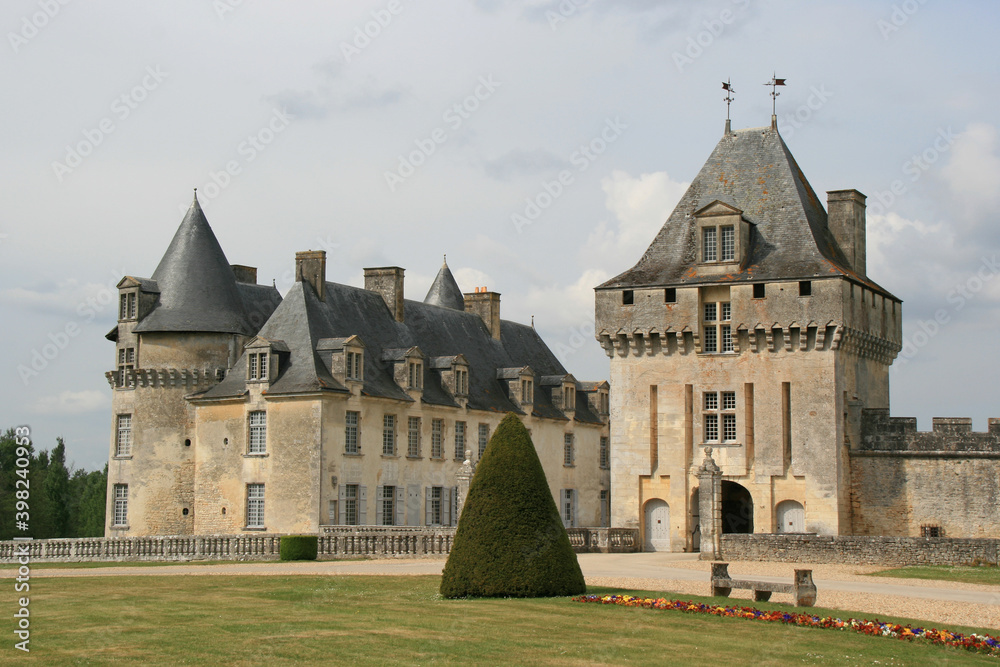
pixel 245 620
pixel 989 576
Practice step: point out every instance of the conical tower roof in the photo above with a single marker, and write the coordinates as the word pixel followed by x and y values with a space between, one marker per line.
pixel 444 290
pixel 751 170
pixel 198 291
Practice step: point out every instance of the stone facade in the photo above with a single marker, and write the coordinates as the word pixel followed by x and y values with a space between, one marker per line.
pixel 751 326
pixel 237 411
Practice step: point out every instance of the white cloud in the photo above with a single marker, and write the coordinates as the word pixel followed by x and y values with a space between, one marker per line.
pixel 640 205
pixel 68 297
pixel 72 403
pixel 557 306
pixel 973 169
pixel 469 279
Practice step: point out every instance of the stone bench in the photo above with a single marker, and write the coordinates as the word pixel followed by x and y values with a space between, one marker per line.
pixel 802 589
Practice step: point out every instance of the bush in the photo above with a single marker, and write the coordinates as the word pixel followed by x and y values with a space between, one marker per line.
pixel 510 541
pixel 299 547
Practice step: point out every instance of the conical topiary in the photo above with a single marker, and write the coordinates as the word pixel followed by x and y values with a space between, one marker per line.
pixel 510 540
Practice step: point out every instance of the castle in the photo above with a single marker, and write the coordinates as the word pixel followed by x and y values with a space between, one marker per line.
pixel 750 327
pixel 238 411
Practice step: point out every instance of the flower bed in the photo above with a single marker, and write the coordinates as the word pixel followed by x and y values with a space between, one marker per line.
pixel 973 642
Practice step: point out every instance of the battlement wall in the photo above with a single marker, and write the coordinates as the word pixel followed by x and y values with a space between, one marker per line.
pixel 949 435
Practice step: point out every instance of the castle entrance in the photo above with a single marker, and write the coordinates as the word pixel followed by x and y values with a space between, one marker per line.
pixel 737 508
pixel 657 525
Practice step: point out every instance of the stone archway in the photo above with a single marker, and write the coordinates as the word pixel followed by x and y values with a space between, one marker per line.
pixel 737 508
pixel 657 525
pixel 790 517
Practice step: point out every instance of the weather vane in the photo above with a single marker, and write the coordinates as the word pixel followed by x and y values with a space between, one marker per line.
pixel 728 87
pixel 774 83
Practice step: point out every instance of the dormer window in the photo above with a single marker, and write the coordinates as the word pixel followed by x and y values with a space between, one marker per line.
pixel 352 366
pixel 128 306
pixel 461 381
pixel 257 364
pixel 709 245
pixel 415 375
pixel 527 390
pixel 718 244
pixel 723 233
pixel 569 398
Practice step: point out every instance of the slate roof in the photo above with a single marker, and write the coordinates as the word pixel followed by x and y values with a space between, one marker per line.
pixel 444 291
pixel 198 290
pixel 302 321
pixel 754 171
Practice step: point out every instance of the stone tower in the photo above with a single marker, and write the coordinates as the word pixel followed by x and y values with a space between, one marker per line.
pixel 177 334
pixel 749 325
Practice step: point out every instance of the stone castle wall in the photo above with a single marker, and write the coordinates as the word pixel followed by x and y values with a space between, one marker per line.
pixel 906 482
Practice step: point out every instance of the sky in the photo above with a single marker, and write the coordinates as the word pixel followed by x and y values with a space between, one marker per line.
pixel 395 132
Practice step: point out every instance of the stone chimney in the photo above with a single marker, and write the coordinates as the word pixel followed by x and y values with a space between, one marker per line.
pixel 486 304
pixel 244 274
pixel 388 282
pixel 310 267
pixel 847 220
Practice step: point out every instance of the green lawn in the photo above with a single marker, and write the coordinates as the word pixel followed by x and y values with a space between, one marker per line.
pixel 971 575
pixel 278 620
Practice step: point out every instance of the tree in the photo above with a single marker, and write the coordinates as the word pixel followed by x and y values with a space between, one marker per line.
pixel 55 489
pixel 510 541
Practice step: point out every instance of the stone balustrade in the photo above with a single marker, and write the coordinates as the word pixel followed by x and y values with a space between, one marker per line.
pixel 334 542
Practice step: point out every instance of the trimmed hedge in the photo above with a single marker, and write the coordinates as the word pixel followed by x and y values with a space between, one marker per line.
pixel 299 547
pixel 510 541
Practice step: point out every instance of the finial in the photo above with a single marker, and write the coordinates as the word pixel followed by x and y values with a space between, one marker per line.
pixel 532 321
pixel 446 259
pixel 728 99
pixel 774 83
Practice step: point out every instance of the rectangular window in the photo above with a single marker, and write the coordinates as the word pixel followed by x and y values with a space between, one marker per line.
pixel 416 377
pixel 255 505
pixel 568 454
pixel 484 438
pixel 670 295
pixel 605 452
pixel 435 506
pixel 257 366
pixel 127 308
pixel 527 391
pixel 711 428
pixel 389 435
pixel 628 297
pixel 252 367
pixel 806 288
pixel 725 338
pixel 126 361
pixel 728 243
pixel 351 432
pixel 758 290
pixel 461 382
pixel 568 509
pixel 459 441
pixel 708 245
pixel 717 335
pixel 711 400
pixel 123 442
pixel 729 400
pixel 437 434
pixel 413 437
pixel 353 366
pixel 569 398
pixel 121 505
pixel 605 508
pixel 388 501
pixel 258 433
pixel 351 504
pixel 729 428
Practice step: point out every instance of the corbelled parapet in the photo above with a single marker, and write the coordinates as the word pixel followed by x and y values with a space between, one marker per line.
pixel 202 378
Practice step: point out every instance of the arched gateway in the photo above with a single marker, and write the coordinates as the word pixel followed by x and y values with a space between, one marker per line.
pixel 737 508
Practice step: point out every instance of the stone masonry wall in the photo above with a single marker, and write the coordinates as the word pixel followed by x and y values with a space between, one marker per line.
pixel 859 550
